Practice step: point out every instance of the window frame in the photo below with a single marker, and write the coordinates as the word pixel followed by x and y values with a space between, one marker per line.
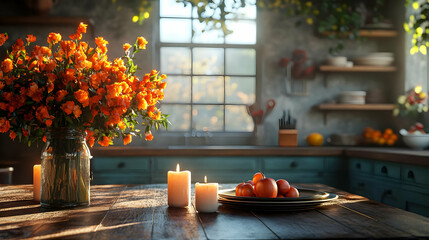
pixel 243 137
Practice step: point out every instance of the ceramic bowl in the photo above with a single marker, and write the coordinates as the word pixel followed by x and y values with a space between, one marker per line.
pixel 416 141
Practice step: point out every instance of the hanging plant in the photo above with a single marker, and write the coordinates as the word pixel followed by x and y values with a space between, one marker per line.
pixel 141 8
pixel 418 26
pixel 337 19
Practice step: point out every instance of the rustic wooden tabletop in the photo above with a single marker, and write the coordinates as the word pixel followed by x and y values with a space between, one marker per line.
pixel 141 212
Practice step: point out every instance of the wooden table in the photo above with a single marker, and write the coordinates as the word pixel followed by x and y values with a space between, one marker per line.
pixel 141 212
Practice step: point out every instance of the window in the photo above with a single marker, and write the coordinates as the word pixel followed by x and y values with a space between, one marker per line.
pixel 211 77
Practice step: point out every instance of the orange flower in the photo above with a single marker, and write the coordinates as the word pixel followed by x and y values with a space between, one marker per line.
pixel 82 96
pixel 30 38
pixel 69 75
pixel 54 38
pixel 48 122
pixel 12 135
pixel 4 125
pixel 81 28
pixel 148 136
pixel 141 43
pixel 42 113
pixel 76 111
pixel 3 38
pixel 105 142
pixel 126 47
pixel 68 107
pixel 6 65
pixel 101 43
pixel 60 95
pixel 25 132
pixel 68 47
pixel 1 83
pixel 141 101
pixel 127 139
pixel 44 138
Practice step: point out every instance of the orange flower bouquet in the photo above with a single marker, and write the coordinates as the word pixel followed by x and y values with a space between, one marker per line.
pixel 59 92
pixel 70 84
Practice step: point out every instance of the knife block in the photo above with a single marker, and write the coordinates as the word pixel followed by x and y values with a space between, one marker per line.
pixel 288 137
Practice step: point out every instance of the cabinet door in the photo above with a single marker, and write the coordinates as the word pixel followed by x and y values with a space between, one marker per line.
pixel 389 194
pixel 358 165
pixel 362 187
pixel 417 203
pixel 388 170
pixel 415 175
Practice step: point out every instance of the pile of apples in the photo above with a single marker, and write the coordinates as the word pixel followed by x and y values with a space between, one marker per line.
pixel 261 186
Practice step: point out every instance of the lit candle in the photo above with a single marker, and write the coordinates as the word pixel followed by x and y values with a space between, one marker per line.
pixel 206 196
pixel 36 182
pixel 179 188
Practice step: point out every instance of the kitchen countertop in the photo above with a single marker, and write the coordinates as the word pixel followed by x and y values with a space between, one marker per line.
pixel 141 212
pixel 399 155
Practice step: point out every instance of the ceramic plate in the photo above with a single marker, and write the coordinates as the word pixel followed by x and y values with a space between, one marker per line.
pixel 304 195
pixel 277 206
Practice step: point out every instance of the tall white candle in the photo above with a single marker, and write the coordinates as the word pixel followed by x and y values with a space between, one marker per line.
pixel 36 182
pixel 206 196
pixel 179 188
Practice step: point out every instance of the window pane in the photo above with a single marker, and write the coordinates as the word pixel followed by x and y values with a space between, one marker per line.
pixel 203 36
pixel 208 61
pixel 243 32
pixel 175 60
pixel 248 12
pixel 240 61
pixel 237 119
pixel 240 90
pixel 180 116
pixel 208 13
pixel 207 89
pixel 170 8
pixel 207 118
pixel 175 30
pixel 178 89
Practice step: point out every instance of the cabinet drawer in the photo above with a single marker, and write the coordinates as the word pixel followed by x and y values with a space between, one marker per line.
pixel 293 163
pixel 385 169
pixel 120 163
pixel 360 165
pixel 414 174
pixel 120 178
pixel 417 203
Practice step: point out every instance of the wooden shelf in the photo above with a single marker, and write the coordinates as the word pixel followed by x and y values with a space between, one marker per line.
pixel 356 107
pixel 328 68
pixel 43 20
pixel 376 33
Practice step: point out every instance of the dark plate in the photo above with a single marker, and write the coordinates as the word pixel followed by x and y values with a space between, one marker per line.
pixel 304 195
pixel 277 206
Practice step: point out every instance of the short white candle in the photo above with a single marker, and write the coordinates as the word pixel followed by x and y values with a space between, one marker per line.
pixel 206 196
pixel 36 182
pixel 179 188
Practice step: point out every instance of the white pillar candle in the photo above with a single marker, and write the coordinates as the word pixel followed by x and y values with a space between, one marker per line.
pixel 179 188
pixel 36 182
pixel 206 196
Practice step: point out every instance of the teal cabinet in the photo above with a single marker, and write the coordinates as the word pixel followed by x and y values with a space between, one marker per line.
pixel 400 185
pixel 120 170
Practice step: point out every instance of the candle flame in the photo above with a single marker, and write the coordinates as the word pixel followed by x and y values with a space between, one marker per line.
pixel 178 168
pixel 205 179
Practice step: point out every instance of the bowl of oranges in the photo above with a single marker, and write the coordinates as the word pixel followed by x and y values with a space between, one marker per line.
pixel 379 138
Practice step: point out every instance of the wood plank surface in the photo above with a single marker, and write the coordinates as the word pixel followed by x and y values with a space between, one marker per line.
pixel 141 212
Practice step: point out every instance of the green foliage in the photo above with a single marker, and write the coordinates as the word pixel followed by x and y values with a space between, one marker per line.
pixel 418 26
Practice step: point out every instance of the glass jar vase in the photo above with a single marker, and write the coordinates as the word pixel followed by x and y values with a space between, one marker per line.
pixel 65 169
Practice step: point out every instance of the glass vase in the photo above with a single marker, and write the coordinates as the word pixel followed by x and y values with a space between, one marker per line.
pixel 65 169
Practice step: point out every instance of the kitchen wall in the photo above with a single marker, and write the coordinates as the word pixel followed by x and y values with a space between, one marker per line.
pixel 278 37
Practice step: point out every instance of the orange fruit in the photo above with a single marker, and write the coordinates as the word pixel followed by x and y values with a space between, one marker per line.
pixel 388 131
pixel 315 139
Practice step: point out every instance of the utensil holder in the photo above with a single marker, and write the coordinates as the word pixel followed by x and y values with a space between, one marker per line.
pixel 288 137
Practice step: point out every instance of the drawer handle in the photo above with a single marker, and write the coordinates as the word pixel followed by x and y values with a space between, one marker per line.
pixel 121 165
pixel 293 164
pixel 358 166
pixel 411 174
pixel 384 169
